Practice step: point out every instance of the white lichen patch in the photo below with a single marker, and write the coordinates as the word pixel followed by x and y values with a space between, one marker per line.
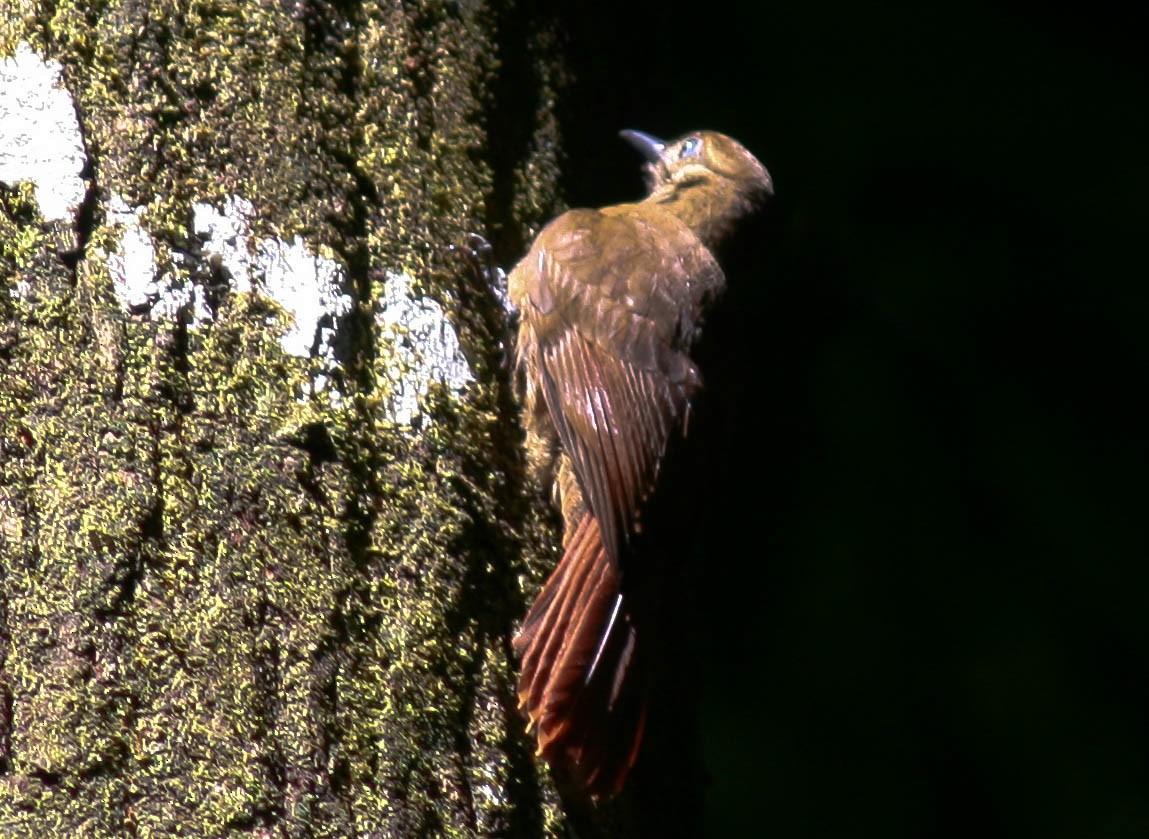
pixel 133 267
pixel 308 286
pixel 41 143
pixel 226 234
pixel 40 138
pixel 426 347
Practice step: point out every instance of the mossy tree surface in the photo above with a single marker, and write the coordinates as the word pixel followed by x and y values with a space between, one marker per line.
pixel 229 604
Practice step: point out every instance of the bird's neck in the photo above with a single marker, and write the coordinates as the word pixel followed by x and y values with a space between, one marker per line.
pixel 709 208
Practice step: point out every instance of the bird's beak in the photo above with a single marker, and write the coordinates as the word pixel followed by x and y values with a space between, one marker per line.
pixel 649 147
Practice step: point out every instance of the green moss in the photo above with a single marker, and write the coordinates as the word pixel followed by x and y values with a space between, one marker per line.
pixel 211 629
pixel 21 238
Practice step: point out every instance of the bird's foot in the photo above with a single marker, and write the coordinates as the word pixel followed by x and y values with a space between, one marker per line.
pixel 480 257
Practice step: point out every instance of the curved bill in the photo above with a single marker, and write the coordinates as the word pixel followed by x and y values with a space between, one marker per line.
pixel 649 147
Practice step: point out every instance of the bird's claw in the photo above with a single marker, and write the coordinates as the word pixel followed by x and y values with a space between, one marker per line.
pixel 480 257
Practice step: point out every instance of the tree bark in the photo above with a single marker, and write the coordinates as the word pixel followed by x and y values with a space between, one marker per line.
pixel 260 562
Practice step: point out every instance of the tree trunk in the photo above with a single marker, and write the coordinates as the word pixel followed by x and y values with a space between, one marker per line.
pixel 263 530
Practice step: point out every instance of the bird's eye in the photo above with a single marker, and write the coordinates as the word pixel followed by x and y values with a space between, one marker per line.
pixel 690 147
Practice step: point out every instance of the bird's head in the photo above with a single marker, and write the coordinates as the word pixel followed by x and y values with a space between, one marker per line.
pixel 703 158
pixel 705 178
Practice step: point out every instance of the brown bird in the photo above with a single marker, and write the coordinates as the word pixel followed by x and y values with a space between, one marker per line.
pixel 610 302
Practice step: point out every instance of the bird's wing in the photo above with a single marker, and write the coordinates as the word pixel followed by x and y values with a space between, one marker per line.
pixel 610 300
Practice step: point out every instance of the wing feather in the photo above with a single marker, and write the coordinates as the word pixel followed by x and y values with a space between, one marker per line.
pixel 612 308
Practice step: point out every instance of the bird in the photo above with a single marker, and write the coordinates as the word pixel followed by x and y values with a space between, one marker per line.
pixel 610 303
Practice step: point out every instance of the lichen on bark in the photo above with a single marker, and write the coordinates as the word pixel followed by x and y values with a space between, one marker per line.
pixel 230 604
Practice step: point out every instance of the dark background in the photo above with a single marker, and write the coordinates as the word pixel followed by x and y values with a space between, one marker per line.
pixel 921 456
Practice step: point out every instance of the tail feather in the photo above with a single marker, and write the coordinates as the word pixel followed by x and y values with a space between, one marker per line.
pixel 583 682
pixel 543 636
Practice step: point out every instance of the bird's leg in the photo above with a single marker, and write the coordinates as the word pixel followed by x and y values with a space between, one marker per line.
pixel 481 257
pixel 479 254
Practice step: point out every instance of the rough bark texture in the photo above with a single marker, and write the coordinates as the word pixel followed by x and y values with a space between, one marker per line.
pixel 229 605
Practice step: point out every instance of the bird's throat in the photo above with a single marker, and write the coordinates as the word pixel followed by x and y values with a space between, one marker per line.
pixel 708 207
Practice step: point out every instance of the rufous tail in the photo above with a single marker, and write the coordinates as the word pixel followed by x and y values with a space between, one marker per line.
pixel 582 684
